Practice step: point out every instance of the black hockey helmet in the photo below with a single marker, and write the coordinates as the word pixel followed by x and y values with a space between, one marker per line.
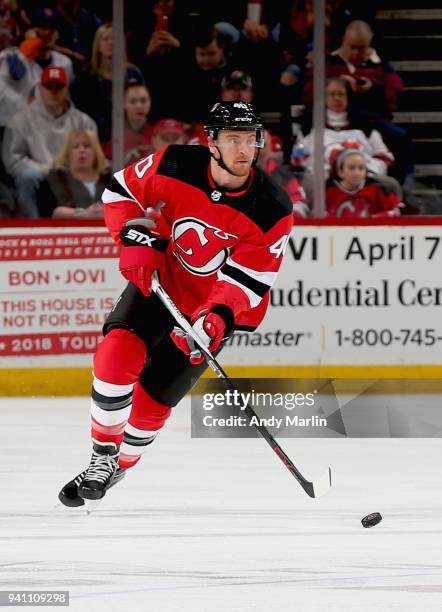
pixel 234 116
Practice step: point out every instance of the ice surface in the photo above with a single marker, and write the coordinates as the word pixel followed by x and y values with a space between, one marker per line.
pixel 215 525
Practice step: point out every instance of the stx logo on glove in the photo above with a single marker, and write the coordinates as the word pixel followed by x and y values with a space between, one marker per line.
pixel 201 248
pixel 140 237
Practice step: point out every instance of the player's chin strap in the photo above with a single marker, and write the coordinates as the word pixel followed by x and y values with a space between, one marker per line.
pixel 219 160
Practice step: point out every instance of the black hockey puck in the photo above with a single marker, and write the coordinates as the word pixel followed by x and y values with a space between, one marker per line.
pixel 371 519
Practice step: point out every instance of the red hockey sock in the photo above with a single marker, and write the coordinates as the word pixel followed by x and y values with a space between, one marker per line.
pixel 117 364
pixel 146 419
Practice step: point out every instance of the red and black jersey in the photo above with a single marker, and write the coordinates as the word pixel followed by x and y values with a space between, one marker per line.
pixel 225 247
pixel 370 200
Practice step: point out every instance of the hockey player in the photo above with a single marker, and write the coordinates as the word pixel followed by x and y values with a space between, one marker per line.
pixel 217 244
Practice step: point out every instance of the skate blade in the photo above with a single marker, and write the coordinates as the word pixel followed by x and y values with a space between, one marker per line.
pixel 91 505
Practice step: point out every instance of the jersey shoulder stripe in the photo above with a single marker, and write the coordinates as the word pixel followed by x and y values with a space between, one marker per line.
pixel 187 163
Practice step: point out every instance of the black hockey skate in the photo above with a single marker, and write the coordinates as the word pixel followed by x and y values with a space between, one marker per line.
pixel 101 470
pixel 70 494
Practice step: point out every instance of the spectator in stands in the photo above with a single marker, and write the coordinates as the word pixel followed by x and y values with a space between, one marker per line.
pixel 237 86
pixel 155 26
pixel 13 23
pixel 208 67
pixel 44 28
pixel 137 129
pixel 78 177
pixel 270 160
pixel 250 30
pixel 342 129
pixel 18 75
pixel 166 132
pixel 376 89
pixel 157 31
pixel 92 92
pixel 76 26
pixel 34 136
pixel 374 83
pixel 350 193
pixel 21 68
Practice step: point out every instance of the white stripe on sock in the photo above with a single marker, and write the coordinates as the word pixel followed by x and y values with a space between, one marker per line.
pixel 111 390
pixel 139 433
pixel 109 417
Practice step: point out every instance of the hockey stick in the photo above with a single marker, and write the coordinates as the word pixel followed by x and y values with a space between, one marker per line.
pixel 316 488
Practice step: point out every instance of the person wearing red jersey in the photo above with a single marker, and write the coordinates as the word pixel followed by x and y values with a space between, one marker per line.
pixel 350 193
pixel 215 227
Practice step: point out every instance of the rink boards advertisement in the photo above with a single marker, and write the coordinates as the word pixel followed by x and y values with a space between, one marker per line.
pixel 347 296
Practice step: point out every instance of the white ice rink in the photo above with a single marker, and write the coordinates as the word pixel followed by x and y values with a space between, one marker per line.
pixel 219 524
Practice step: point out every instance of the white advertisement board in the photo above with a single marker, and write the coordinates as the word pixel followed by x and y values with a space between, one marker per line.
pixel 352 295
pixel 346 295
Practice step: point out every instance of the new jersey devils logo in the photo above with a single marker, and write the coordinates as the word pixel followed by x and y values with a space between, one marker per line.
pixel 201 248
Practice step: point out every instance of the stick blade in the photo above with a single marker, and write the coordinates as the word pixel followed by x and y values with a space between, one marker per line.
pixel 323 485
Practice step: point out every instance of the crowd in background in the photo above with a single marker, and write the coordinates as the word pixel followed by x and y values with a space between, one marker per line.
pixel 181 57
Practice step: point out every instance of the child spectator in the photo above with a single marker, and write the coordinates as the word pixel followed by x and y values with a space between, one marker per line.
pixel 92 91
pixel 342 129
pixel 34 136
pixel 350 193
pixel 78 177
pixel 137 129
pixel 166 132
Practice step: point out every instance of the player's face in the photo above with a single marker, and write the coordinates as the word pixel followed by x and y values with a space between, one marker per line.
pixel 336 97
pixel 353 171
pixel 137 103
pixel 238 150
pixel 81 155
